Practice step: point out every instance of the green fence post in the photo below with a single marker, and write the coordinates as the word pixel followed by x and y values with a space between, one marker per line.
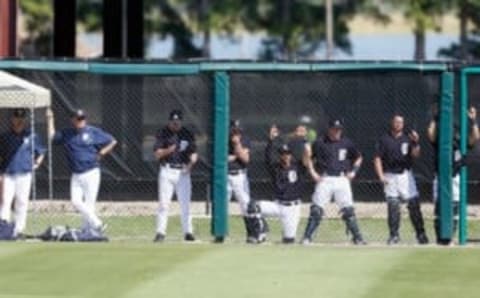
pixel 463 226
pixel 445 137
pixel 220 156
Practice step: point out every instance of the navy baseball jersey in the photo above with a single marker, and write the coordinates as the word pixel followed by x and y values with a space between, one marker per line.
pixel 184 141
pixel 237 164
pixel 286 180
pixel 395 153
pixel 82 146
pixel 334 158
pixel 16 151
pixel 457 158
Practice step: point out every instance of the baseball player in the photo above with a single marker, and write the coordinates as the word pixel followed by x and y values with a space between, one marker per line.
pixel 458 162
pixel 175 149
pixel 85 146
pixel 238 159
pixel 393 160
pixel 286 187
pixel 333 161
pixel 16 165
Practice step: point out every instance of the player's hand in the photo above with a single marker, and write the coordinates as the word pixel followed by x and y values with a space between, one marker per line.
pixel 472 113
pixel 317 178
pixel 236 139
pixel 171 148
pixel 414 137
pixel 187 169
pixel 350 176
pixel 274 132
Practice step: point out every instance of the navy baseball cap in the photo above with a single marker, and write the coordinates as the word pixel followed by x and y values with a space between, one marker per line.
pixel 175 115
pixel 20 113
pixel 79 114
pixel 335 123
pixel 284 149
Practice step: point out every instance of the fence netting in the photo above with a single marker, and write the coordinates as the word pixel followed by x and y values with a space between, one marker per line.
pixel 365 101
pixel 132 108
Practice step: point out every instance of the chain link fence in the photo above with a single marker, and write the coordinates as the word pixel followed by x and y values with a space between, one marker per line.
pixel 133 107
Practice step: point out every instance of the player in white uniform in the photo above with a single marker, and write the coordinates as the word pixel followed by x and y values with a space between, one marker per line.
pixel 287 186
pixel 393 161
pixel 16 166
pixel 175 148
pixel 85 145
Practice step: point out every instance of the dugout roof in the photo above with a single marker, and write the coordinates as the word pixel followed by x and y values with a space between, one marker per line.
pixel 19 93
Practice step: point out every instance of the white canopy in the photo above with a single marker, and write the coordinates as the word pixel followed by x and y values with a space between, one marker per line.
pixel 19 93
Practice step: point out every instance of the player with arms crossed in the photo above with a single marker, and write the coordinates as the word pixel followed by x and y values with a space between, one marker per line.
pixel 16 165
pixel 333 162
pixel 393 161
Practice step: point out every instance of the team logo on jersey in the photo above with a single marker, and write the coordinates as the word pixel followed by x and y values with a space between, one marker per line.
pixel 404 148
pixel 342 154
pixel 183 145
pixel 457 155
pixel 86 137
pixel 292 176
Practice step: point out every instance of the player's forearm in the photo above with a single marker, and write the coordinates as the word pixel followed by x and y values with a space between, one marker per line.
pixel 162 153
pixel 107 149
pixel 474 134
pixel 377 164
pixel 193 159
pixel 39 160
pixel 432 131
pixel 242 154
pixel 415 150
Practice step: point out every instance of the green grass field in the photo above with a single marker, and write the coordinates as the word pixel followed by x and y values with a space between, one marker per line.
pixel 207 270
pixel 132 266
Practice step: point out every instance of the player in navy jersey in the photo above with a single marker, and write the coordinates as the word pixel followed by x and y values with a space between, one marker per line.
pixel 333 162
pixel 85 146
pixel 176 151
pixel 17 165
pixel 393 161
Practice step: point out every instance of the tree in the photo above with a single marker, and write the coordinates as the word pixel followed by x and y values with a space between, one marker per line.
pixel 37 18
pixel 468 46
pixel 424 15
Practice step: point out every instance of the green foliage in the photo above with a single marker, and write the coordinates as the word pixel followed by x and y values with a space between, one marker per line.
pixel 38 18
pixel 89 14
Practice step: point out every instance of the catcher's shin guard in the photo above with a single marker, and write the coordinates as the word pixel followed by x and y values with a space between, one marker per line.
pixel 255 224
pixel 394 218
pixel 348 215
pixel 316 214
pixel 416 218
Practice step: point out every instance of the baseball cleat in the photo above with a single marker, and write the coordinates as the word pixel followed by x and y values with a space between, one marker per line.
pixel 392 240
pixel 189 237
pixel 159 238
pixel 422 239
pixel 306 241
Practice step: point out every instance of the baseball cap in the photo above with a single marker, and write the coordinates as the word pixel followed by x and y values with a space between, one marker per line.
pixel 335 123
pixel 79 114
pixel 20 113
pixel 284 149
pixel 175 115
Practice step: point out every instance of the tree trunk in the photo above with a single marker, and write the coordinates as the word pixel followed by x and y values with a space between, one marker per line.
pixel 463 30
pixel 420 44
pixel 204 19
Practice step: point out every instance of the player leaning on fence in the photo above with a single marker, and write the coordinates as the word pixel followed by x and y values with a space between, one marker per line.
pixel 176 150
pixel 16 166
pixel 393 161
pixel 85 146
pixel 333 162
pixel 458 162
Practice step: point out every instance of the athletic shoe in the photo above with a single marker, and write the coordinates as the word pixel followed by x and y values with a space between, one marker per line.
pixel 393 240
pixel 306 241
pixel 359 241
pixel 159 238
pixel 189 237
pixel 422 239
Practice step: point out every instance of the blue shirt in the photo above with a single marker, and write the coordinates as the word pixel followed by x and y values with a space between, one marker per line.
pixel 16 151
pixel 395 153
pixel 334 158
pixel 184 141
pixel 82 146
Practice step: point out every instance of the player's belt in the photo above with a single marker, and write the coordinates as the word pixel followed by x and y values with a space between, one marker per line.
pixel 236 172
pixel 174 165
pixel 289 203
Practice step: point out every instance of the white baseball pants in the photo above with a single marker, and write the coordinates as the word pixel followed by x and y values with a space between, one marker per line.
pixel 83 193
pixel 16 186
